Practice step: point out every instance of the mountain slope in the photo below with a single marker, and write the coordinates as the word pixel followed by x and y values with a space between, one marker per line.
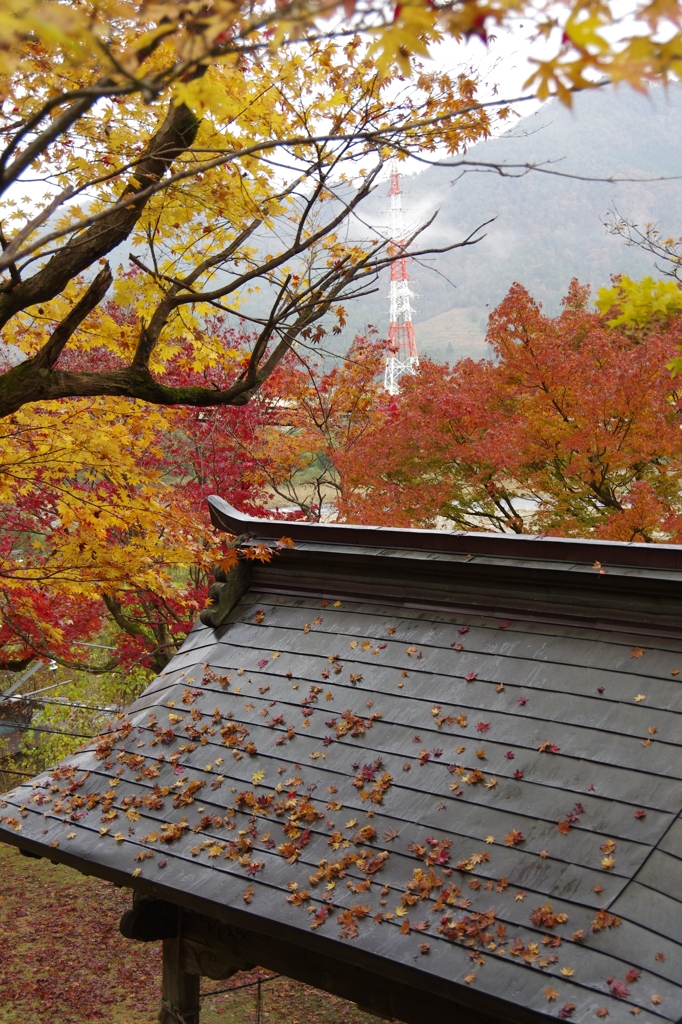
pixel 547 229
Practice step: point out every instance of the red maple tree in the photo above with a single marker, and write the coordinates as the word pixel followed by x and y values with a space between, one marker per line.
pixel 572 429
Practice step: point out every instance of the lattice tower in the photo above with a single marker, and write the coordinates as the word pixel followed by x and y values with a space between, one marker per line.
pixel 401 350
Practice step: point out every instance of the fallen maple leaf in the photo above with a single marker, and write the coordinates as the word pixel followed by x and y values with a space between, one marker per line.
pixel 640 813
pixel 566 1011
pixel 513 838
pixel 639 698
pixel 603 1011
pixel 469 978
pixel 490 839
pixel 470 676
pixel 550 994
pixel 656 999
pixel 618 988
pixel 567 972
pixel 636 652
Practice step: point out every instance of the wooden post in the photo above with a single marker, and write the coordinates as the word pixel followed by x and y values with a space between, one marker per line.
pixel 180 991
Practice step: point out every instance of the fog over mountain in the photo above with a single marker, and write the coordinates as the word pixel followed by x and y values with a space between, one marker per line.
pixel 547 229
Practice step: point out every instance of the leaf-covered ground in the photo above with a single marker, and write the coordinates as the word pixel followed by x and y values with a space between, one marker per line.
pixel 63 960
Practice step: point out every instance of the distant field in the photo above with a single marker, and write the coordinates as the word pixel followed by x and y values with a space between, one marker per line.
pixel 63 961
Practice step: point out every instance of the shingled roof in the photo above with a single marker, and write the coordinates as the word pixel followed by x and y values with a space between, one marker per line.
pixel 452 762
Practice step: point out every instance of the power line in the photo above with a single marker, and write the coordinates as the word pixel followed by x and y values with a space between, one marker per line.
pixel 42 728
pixel 62 702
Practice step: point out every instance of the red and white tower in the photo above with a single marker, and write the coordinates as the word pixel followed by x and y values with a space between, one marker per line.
pixel 401 351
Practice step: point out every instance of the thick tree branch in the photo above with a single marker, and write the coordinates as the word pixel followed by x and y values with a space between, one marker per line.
pixel 52 349
pixel 176 134
pixel 160 654
pixel 14 383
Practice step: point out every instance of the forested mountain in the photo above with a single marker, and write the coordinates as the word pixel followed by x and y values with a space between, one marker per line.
pixel 547 229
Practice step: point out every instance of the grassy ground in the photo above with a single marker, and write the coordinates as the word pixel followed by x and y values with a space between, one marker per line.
pixel 63 960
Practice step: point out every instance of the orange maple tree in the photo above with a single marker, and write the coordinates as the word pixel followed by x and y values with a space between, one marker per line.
pixel 573 429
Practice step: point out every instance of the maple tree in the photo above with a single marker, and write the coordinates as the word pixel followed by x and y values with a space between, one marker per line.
pixel 197 132
pixel 323 414
pixel 106 515
pixel 184 172
pixel 574 430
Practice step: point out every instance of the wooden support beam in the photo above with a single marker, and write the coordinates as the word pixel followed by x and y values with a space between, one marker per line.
pixel 217 949
pixel 180 990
